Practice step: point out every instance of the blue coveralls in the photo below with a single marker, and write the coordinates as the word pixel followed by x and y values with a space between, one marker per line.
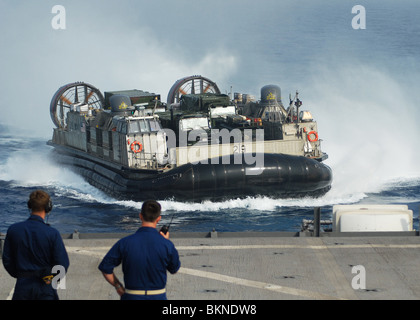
pixel 146 256
pixel 31 249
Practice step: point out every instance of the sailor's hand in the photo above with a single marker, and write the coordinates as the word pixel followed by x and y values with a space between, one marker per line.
pixel 166 236
pixel 120 289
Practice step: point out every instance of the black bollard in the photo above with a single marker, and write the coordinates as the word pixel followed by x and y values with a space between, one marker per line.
pixel 317 221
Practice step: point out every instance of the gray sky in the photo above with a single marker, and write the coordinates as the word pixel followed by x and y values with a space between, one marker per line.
pixel 148 45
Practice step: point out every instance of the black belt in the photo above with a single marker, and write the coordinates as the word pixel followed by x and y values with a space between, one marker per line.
pixel 31 274
pixel 42 274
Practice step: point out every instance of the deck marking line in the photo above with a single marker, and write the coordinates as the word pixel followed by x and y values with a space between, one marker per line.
pixel 314 247
pixel 98 250
pixel 333 274
pixel 101 251
pixel 255 284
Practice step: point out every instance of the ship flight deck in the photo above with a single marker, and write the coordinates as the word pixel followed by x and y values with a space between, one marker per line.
pixel 259 266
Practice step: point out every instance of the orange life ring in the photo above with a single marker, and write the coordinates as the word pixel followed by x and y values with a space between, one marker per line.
pixel 315 134
pixel 134 149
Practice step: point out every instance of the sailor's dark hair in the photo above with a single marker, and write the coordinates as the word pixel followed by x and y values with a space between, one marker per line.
pixel 150 210
pixel 39 201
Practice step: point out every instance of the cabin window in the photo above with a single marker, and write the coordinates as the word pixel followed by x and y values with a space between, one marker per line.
pixel 133 127
pixel 143 126
pixel 122 127
pixel 154 126
pixel 138 126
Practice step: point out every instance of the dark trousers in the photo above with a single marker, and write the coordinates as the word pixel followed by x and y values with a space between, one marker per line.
pixel 33 289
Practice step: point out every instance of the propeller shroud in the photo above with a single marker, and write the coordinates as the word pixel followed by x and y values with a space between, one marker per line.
pixel 73 94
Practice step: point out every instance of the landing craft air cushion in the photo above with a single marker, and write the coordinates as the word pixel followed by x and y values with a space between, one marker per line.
pixel 200 145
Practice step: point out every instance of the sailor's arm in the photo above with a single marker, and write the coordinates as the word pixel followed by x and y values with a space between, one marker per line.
pixel 113 280
pixel 109 262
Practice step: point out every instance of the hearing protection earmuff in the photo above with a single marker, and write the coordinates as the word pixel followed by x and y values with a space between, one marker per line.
pixel 48 206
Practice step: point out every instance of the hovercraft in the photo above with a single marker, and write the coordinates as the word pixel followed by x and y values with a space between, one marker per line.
pixel 200 145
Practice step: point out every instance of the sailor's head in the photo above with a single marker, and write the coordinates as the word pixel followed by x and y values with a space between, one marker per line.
pixel 39 201
pixel 150 211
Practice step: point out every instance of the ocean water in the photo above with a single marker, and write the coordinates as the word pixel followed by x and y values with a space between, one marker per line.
pixel 361 85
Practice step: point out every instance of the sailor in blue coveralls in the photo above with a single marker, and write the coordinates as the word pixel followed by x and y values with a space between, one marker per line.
pixel 146 256
pixel 31 249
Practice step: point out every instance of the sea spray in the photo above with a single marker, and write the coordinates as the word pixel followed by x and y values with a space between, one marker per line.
pixel 367 119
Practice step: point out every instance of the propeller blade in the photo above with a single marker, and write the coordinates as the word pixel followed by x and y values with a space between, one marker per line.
pixel 207 88
pixel 182 91
pixel 65 100
pixel 89 96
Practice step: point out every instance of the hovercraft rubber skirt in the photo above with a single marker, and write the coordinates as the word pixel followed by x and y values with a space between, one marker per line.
pixel 281 176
